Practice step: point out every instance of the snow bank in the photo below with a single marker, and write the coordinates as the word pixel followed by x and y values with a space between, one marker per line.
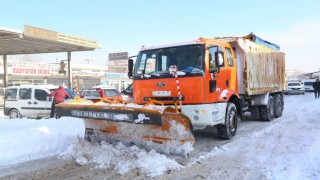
pixel 119 157
pixel 28 139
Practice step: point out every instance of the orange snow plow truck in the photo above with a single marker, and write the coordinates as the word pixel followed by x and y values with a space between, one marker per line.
pixel 185 86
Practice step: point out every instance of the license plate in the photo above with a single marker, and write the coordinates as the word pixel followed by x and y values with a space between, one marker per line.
pixel 161 93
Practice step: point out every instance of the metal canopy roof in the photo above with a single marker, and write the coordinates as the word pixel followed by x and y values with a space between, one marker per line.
pixel 35 40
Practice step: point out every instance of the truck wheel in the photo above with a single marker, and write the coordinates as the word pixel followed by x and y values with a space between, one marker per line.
pixel 229 129
pixel 267 112
pixel 14 113
pixel 254 111
pixel 278 105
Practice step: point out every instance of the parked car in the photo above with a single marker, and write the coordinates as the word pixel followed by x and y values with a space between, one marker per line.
pixel 308 84
pixel 97 93
pixel 295 88
pixel 127 94
pixel 30 101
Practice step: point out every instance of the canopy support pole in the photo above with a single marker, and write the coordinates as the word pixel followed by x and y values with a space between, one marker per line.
pixel 5 73
pixel 69 71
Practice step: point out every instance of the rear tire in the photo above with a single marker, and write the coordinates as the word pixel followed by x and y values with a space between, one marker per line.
pixel 14 113
pixel 267 112
pixel 278 105
pixel 255 113
pixel 229 129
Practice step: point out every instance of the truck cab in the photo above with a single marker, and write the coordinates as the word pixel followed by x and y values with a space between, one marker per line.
pixel 200 74
pixel 197 64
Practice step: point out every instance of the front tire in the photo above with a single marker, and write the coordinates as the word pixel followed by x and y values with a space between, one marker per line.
pixel 14 113
pixel 229 129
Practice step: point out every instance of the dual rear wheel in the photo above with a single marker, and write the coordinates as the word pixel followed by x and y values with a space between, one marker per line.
pixel 268 112
pixel 272 110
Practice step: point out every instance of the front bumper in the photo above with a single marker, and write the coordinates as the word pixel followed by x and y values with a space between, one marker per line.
pixel 294 91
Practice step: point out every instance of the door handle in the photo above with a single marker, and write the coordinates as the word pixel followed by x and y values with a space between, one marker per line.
pixel 35 103
pixel 29 102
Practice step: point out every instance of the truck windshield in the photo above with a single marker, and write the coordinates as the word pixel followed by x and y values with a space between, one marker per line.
pixel 189 61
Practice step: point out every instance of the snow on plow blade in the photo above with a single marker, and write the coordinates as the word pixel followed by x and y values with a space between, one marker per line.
pixel 149 125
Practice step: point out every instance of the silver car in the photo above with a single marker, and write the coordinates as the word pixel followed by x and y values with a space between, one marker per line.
pixel 295 88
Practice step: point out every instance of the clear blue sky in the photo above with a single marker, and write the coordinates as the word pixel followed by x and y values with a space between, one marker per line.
pixel 120 25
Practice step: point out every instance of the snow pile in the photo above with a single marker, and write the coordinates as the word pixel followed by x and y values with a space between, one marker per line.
pixel 23 140
pixel 119 157
pixel 28 139
pixel 170 147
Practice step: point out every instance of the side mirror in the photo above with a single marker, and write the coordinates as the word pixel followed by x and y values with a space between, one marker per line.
pixel 130 67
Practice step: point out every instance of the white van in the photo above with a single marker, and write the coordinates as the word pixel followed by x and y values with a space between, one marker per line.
pixel 30 101
pixel 308 84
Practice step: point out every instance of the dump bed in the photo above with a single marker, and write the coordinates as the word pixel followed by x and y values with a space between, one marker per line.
pixel 260 69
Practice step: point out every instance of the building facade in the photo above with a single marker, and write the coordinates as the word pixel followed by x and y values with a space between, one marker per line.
pixel 85 75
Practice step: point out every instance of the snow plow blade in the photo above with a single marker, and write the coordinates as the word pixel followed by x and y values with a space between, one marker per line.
pixel 129 123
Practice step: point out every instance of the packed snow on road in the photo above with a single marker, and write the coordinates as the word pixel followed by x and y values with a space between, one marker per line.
pixel 286 148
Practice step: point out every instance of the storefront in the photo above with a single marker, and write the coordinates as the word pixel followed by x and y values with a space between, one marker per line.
pixel 35 40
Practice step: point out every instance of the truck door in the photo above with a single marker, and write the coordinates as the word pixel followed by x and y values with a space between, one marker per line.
pixel 230 69
pixel 222 77
pixel 226 78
